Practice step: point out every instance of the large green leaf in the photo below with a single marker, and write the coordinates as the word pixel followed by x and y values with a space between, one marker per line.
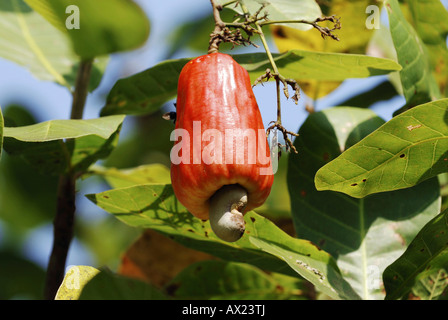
pixel 229 280
pixel 65 129
pixel 121 178
pixel 364 235
pixel 419 85
pixel 32 42
pixel 105 26
pixel 305 65
pixel 60 145
pixel 407 150
pixel 146 91
pixel 430 20
pixel 427 253
pixel 155 207
pixel 282 10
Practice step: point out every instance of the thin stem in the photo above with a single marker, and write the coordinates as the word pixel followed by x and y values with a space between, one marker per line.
pixel 63 223
pixel 267 22
pixel 279 108
pixel 266 47
pixel 229 3
pixel 325 32
pixel 219 26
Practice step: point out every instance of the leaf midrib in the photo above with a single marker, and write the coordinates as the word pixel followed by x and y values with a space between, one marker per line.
pixel 34 47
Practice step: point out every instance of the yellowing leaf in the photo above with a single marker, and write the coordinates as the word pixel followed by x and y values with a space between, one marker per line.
pixel 74 281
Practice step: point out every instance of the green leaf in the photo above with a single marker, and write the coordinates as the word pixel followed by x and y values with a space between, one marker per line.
pixel 109 286
pixel 155 207
pixel 430 21
pixel 427 253
pixel 419 85
pixel 105 26
pixel 230 281
pixel 19 30
pixel 65 129
pixel 88 283
pixel 146 91
pixel 121 178
pixel 405 151
pixel 327 280
pixel 29 40
pixel 58 145
pixel 433 286
pixel 306 65
pixel 363 235
pixel 281 10
pixel 382 92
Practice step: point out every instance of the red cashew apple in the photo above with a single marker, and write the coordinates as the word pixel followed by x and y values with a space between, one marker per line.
pixel 223 166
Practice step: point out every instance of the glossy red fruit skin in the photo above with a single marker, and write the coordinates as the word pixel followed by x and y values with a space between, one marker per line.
pixel 215 90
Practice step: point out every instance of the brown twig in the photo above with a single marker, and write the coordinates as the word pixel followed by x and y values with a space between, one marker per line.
pixel 289 144
pixel 63 223
pixel 324 31
pixel 286 82
pixel 215 38
pixel 231 32
pixel 327 32
pixel 62 233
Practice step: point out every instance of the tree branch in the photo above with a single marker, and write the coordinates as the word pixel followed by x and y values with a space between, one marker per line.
pixel 62 234
pixel 63 223
pixel 81 89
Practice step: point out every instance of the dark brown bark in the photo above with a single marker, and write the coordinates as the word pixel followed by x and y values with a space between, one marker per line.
pixel 63 234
